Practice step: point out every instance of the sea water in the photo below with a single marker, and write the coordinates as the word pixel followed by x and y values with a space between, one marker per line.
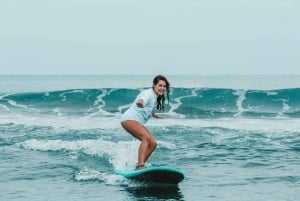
pixel 234 137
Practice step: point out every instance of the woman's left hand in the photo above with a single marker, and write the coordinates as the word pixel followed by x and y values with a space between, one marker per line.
pixel 156 116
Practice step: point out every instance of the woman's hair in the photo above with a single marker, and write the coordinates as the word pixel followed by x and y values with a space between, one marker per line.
pixel 160 103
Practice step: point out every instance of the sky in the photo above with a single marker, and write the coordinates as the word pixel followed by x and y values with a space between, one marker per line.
pixel 205 37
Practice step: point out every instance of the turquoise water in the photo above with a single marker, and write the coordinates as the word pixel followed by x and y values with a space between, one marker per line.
pixel 234 137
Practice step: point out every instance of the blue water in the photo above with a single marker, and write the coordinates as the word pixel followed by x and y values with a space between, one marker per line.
pixel 234 137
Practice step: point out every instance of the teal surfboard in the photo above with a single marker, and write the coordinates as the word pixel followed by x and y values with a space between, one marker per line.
pixel 155 174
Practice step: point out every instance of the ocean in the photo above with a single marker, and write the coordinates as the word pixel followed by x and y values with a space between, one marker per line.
pixel 235 137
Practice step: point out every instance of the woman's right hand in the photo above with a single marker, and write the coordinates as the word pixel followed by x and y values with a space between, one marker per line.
pixel 140 103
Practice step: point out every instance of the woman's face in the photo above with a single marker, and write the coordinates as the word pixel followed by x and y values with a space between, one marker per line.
pixel 159 88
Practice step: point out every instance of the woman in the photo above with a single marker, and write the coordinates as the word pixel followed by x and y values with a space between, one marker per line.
pixel 139 113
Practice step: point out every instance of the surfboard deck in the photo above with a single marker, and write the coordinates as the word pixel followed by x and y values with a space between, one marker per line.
pixel 154 174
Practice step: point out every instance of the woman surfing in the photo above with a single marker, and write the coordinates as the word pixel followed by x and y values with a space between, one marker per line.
pixel 142 109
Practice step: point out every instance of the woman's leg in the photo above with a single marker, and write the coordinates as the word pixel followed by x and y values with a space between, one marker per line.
pixel 148 143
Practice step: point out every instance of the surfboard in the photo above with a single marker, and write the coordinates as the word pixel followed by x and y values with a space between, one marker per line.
pixel 154 174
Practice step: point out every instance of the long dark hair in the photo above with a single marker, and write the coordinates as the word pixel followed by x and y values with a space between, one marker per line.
pixel 160 102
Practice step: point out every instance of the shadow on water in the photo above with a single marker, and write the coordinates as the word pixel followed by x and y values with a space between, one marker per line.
pixel 156 192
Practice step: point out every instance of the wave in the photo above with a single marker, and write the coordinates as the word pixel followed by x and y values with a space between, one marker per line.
pixel 189 103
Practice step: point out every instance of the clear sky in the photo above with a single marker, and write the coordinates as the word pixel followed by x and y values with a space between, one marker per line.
pixel 150 37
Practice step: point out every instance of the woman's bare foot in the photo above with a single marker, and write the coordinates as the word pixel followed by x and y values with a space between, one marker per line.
pixel 140 167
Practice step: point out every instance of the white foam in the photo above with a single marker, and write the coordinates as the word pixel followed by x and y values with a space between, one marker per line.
pixel 279 123
pixel 123 107
pixel 60 121
pixel 5 108
pixel 166 144
pixel 285 108
pixel 239 103
pixel 272 93
pixel 87 174
pixel 265 125
pixel 120 154
pixel 178 102
pixel 99 104
pixel 57 112
pixel 15 104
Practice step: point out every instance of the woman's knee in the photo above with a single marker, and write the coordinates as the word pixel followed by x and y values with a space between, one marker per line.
pixel 151 142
